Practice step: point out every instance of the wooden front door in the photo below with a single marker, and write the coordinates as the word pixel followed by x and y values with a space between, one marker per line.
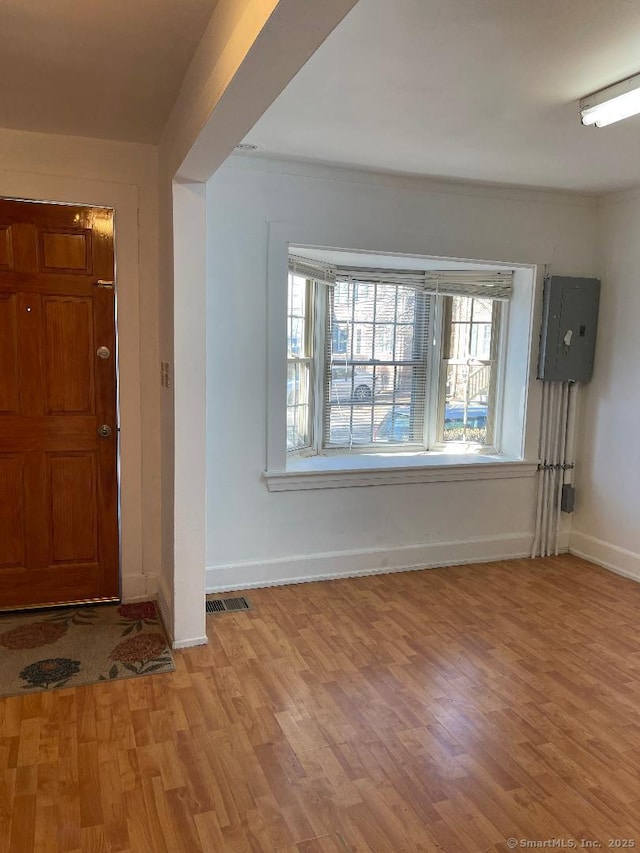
pixel 58 474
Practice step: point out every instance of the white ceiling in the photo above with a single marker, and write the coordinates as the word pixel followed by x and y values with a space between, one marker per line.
pixel 102 69
pixel 473 89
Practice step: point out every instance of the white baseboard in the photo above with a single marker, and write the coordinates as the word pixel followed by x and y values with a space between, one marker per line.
pixel 609 556
pixel 187 644
pixel 371 561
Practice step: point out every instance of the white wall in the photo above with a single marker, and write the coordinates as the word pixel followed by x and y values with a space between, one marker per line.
pixel 255 536
pixel 122 176
pixel 605 525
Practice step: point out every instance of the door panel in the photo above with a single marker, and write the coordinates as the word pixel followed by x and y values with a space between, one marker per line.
pixel 30 356
pixel 73 507
pixel 6 255
pixel 23 246
pixel 9 383
pixel 12 526
pixel 66 251
pixel 69 355
pixel 59 490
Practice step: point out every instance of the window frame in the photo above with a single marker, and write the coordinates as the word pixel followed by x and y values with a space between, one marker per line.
pixel 376 447
pixel 495 361
pixel 309 359
pixel 436 330
pixel 517 430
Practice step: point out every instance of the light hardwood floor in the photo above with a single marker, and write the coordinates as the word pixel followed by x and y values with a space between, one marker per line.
pixel 444 710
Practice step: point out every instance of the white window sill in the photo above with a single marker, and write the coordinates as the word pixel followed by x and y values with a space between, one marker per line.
pixel 372 469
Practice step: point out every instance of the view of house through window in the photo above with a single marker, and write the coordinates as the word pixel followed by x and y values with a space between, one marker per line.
pixel 376 364
pixel 390 365
pixel 471 331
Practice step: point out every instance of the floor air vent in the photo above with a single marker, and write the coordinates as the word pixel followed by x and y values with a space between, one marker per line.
pixel 228 605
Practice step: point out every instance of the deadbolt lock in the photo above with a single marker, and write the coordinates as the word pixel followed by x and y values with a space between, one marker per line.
pixel 103 352
pixel 104 431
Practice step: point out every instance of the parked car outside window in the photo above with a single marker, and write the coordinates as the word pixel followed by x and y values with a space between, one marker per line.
pixel 396 424
pixel 349 383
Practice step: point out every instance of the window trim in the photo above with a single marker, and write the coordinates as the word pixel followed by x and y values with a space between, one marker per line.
pixel 319 323
pixel 309 359
pixel 519 438
pixel 425 467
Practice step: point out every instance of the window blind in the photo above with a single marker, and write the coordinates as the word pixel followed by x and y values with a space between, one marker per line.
pixel 375 365
pixel 493 284
pixel 483 285
pixel 312 270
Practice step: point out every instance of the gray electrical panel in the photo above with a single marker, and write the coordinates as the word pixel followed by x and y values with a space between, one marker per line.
pixel 569 324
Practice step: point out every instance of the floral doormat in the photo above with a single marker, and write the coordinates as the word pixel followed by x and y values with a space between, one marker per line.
pixel 41 650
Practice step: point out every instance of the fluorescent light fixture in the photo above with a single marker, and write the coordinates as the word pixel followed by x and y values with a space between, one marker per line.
pixel 614 103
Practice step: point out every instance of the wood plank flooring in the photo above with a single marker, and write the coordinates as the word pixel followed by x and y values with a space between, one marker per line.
pixel 443 710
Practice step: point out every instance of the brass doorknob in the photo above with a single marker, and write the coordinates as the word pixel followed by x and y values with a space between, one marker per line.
pixel 104 431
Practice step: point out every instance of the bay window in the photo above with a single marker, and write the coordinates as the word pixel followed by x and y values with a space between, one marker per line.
pixel 390 360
